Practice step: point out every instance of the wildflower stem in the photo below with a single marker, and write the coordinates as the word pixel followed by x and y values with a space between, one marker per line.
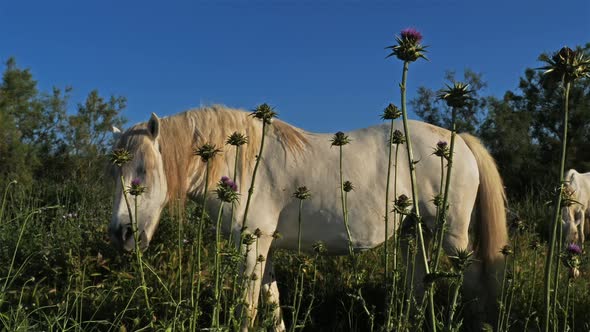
pixel 345 209
pixel 528 316
pixel 503 292
pixel 299 228
pixel 197 291
pixel 233 204
pixel 385 246
pixel 454 302
pixel 567 302
pixel 415 204
pixel 443 207
pixel 217 308
pixel 556 214
pixel 138 255
pixel 251 189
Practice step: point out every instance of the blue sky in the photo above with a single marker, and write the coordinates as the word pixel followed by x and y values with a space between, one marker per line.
pixel 321 63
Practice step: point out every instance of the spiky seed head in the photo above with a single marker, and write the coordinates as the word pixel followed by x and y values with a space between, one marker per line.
pixel 401 204
pixel 391 112
pixel 319 247
pixel 120 157
pixel 249 239
pixel 456 96
pixel 566 65
pixel 237 139
pixel 136 188
pixel 257 232
pixel 398 137
pixel 442 150
pixel 462 259
pixel 347 186
pixel 207 152
pixel 276 235
pixel 506 251
pixel 264 112
pixel 340 139
pixel 302 193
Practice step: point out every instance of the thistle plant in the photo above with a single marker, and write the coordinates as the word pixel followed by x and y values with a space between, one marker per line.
pixel 571 260
pixel 409 49
pixel 460 260
pixel 235 139
pixel 206 152
pixel 456 97
pixel 390 113
pixel 340 139
pixel 397 138
pixel 136 189
pixel 119 158
pixel 564 66
pixel 265 113
pixel 534 246
pixel 506 251
pixel 227 192
pixel 301 194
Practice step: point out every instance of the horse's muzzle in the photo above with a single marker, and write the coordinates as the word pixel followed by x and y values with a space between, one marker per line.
pixel 122 237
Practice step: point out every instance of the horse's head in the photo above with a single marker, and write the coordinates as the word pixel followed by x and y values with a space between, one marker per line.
pixel 146 165
pixel 571 218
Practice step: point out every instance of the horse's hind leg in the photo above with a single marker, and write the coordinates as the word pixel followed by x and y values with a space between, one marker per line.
pixel 270 294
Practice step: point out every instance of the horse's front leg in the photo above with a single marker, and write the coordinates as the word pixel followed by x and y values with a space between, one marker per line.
pixel 270 292
pixel 255 252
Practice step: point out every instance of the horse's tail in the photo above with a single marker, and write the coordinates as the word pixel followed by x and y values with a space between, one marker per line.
pixel 491 234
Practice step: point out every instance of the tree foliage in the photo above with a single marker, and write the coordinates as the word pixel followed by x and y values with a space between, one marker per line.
pixel 41 139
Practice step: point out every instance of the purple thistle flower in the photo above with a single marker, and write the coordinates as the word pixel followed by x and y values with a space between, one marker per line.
pixel 136 182
pixel 442 144
pixel 574 249
pixel 411 34
pixel 224 179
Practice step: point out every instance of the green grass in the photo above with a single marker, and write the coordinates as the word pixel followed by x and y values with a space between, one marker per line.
pixel 67 277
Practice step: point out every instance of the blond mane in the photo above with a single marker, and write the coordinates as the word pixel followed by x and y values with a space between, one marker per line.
pixel 182 133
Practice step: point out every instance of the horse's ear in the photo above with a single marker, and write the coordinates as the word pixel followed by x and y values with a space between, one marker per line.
pixel 116 133
pixel 154 126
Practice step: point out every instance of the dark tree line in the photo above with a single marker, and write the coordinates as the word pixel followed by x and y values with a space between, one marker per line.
pixel 523 128
pixel 44 139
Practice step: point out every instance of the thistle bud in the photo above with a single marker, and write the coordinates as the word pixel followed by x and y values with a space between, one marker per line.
pixel 457 96
pixel 136 189
pixel 398 137
pixel 340 139
pixel 347 186
pixel 302 193
pixel 391 112
pixel 206 152
pixel 237 139
pixel 264 112
pixel 120 157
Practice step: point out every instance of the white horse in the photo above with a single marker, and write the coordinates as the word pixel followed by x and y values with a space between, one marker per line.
pixel 163 158
pixel 575 218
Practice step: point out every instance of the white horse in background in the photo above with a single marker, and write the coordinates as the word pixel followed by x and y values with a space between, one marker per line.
pixel 163 158
pixel 575 218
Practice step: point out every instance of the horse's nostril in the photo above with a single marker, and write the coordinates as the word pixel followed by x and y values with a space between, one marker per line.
pixel 127 232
